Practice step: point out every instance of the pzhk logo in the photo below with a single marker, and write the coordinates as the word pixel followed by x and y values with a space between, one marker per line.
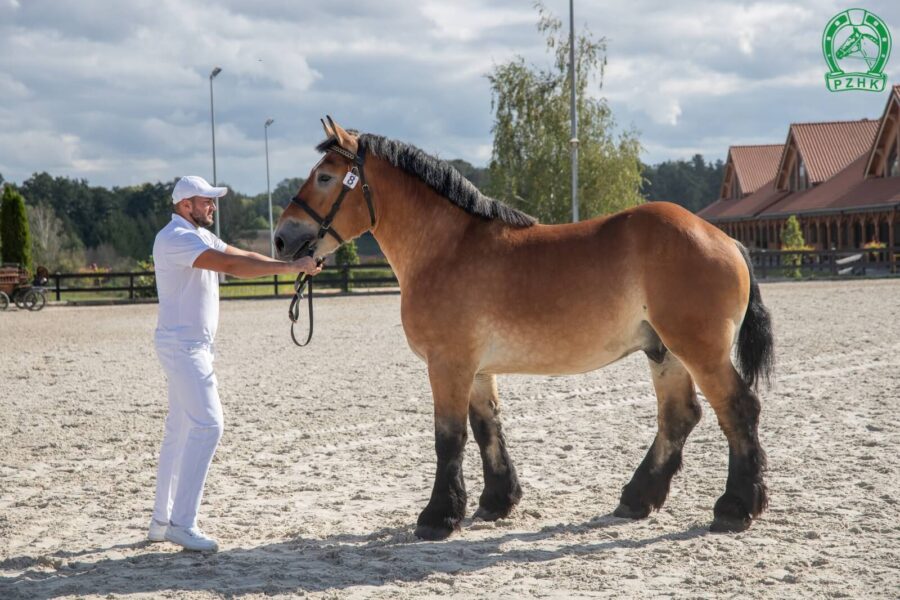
pixel 856 51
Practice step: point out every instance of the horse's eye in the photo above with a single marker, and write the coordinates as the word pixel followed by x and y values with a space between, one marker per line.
pixel 323 178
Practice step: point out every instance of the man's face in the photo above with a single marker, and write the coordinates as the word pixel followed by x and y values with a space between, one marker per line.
pixel 201 210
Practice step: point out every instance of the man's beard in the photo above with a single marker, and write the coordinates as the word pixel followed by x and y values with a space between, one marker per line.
pixel 202 219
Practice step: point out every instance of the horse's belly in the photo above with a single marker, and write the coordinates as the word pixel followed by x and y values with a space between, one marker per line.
pixel 560 353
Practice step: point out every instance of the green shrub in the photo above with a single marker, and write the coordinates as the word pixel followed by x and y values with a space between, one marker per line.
pixel 14 229
pixel 792 239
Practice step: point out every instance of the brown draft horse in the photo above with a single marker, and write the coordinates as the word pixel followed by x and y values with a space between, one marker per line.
pixel 475 303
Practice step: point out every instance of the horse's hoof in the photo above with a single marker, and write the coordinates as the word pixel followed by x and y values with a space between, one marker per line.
pixel 434 534
pixel 730 515
pixel 729 524
pixel 623 511
pixel 486 514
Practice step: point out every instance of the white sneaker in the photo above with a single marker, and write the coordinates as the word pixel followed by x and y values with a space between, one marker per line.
pixel 157 531
pixel 191 538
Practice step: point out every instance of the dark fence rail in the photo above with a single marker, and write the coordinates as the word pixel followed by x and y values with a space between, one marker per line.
pixel 142 284
pixel 766 264
pixel 824 263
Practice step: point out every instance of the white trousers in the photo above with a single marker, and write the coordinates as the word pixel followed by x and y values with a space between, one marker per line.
pixel 193 430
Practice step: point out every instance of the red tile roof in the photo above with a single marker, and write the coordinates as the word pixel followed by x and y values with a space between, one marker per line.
pixel 846 190
pixel 827 148
pixel 711 211
pixel 745 208
pixel 755 166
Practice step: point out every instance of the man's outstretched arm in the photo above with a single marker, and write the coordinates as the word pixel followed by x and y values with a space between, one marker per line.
pixel 239 252
pixel 244 266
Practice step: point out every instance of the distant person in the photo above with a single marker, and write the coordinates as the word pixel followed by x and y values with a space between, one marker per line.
pixel 186 258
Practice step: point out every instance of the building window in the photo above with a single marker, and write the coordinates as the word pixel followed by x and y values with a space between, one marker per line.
pixel 735 189
pixel 799 176
pixel 893 163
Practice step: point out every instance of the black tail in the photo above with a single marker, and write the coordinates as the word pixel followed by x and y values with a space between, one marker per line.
pixel 755 350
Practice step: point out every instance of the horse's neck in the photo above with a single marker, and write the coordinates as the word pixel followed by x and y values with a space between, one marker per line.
pixel 415 226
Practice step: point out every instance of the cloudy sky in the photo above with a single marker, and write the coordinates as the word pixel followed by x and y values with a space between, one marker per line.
pixel 117 92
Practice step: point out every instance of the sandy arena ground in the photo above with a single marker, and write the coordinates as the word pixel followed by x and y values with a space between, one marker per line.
pixel 328 457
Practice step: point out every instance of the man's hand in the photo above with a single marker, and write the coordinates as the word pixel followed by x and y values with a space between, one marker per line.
pixel 307 265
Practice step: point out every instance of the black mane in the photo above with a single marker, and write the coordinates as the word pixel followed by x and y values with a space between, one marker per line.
pixel 440 176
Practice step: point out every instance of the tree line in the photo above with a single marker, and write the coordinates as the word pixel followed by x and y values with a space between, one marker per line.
pixel 73 224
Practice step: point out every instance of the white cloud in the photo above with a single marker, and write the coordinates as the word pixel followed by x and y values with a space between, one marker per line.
pixel 466 20
pixel 118 92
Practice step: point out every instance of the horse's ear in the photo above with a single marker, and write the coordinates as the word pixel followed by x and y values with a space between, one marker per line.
pixel 346 140
pixel 328 132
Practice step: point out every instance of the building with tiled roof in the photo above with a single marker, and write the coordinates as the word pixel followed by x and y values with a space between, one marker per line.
pixel 840 179
pixel 748 168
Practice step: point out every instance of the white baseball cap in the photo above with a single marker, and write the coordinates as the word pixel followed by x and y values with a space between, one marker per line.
pixel 192 185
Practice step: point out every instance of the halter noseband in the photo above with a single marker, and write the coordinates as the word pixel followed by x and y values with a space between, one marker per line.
pixel 354 175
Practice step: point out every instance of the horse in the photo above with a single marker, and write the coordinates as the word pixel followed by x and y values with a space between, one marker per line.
pixel 475 302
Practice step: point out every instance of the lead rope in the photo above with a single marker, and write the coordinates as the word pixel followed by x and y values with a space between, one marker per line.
pixel 294 310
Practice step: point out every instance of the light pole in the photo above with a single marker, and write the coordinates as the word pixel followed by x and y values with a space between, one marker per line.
pixel 574 112
pixel 212 121
pixel 269 189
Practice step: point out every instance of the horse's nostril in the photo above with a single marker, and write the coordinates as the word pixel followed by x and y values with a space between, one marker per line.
pixel 279 243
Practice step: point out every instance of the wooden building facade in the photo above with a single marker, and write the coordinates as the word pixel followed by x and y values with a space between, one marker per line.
pixel 840 179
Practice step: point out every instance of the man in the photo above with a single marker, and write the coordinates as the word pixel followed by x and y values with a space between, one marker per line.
pixel 186 258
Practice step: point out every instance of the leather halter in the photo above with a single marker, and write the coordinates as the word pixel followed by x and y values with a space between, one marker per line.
pixel 325 223
pixel 355 175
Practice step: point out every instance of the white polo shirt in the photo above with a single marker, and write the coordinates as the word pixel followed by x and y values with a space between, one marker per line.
pixel 188 297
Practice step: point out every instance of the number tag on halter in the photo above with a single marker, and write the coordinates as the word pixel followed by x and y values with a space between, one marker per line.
pixel 351 179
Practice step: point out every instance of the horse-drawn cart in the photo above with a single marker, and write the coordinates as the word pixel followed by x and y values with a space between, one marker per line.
pixel 16 287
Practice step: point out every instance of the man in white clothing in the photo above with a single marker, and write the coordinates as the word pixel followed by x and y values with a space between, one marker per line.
pixel 186 258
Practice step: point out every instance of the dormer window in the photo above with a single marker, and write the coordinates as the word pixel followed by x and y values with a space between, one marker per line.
pixel 799 176
pixel 892 169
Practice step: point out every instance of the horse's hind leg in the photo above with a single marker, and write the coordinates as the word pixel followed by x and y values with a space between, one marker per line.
pixel 677 413
pixel 737 409
pixel 501 486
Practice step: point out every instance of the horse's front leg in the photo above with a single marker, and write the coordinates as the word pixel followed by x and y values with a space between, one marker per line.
pixel 450 386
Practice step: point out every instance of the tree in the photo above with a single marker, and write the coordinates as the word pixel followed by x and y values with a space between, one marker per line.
pixel 14 229
pixel 479 177
pixel 530 166
pixel 347 254
pixel 693 184
pixel 53 246
pixel 284 191
pixel 792 239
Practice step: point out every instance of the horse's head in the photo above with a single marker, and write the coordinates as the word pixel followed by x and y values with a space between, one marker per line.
pixel 330 207
pixel 850 45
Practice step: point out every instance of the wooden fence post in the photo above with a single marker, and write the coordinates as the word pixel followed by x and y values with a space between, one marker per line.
pixel 57 276
pixel 131 286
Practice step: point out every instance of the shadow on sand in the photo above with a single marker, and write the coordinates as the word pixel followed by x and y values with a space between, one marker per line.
pixel 298 565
